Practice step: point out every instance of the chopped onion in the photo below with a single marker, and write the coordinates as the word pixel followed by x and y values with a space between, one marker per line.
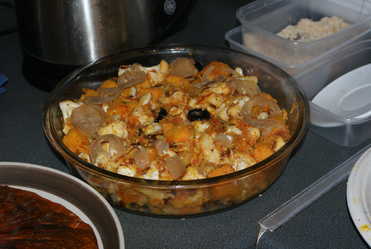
pixel 109 145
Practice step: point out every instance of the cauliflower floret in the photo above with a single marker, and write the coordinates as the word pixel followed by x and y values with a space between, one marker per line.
pixel 221 112
pixel 158 73
pixel 175 111
pixel 154 73
pixel 152 129
pixel 193 103
pixel 234 130
pixel 152 173
pixel 145 99
pixel 105 107
pixel 237 105
pixel 220 88
pixel 176 98
pixel 241 100
pixel 215 100
pixel 239 71
pixel 127 171
pixel 117 128
pixel 169 153
pixel 253 134
pixel 192 173
pixel 279 143
pixel 85 156
pixel 103 161
pixel 211 109
pixel 242 161
pixel 209 150
pixel 143 118
pixel 200 126
pixel 133 92
pixel 263 115
pixel 67 107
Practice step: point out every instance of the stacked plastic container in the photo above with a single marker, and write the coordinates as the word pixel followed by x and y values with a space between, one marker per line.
pixel 314 64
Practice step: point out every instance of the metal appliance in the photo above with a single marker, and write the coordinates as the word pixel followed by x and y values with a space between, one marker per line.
pixel 76 32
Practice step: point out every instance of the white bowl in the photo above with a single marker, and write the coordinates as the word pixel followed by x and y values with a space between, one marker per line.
pixel 72 193
pixel 348 96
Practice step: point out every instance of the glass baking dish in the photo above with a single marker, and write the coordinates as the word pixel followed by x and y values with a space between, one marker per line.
pixel 182 197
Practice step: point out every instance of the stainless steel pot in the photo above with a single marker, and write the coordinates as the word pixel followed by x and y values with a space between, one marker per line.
pixel 76 32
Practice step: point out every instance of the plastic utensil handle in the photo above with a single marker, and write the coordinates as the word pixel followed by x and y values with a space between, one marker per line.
pixel 301 200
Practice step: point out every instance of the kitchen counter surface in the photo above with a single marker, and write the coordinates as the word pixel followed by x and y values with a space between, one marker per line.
pixel 324 224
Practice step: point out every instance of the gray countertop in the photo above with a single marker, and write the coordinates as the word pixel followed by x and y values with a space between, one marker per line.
pixel 324 224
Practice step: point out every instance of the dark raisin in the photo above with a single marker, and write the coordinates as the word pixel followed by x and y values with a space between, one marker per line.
pixel 198 114
pixel 161 114
pixel 199 66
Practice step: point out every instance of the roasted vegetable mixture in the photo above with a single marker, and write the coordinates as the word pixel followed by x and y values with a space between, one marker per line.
pixel 173 121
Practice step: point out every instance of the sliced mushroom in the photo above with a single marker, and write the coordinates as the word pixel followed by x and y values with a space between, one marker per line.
pixel 202 84
pixel 261 101
pixel 246 86
pixel 110 146
pixel 88 118
pixel 183 67
pixel 141 158
pixel 175 166
pixel 161 146
pixel 224 139
pixel 269 126
pixel 216 71
pixel 132 75
pixel 105 95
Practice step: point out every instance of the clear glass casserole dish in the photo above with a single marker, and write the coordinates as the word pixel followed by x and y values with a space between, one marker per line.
pixel 180 198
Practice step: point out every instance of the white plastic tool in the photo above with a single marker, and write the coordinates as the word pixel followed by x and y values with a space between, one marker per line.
pixel 303 199
pixel 349 96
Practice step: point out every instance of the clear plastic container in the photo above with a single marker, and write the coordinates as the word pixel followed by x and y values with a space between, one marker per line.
pixel 343 130
pixel 349 129
pixel 263 19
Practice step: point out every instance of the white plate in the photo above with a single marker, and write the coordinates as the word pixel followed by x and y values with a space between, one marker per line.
pixel 348 96
pixel 359 195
